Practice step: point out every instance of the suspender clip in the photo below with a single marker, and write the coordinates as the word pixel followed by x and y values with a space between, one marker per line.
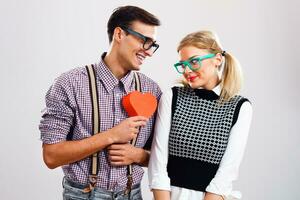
pixel 92 184
pixel 129 184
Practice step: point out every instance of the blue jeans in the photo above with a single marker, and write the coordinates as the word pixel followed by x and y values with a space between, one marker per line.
pixel 74 191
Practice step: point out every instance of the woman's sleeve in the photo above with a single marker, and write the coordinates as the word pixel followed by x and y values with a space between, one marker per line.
pixel 157 168
pixel 229 167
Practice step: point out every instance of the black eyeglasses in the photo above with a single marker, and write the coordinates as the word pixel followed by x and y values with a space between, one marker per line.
pixel 148 42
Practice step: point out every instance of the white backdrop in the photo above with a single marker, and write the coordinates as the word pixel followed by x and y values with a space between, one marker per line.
pixel 41 39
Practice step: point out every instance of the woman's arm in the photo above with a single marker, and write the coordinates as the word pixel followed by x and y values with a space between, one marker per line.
pixel 157 168
pixel 161 194
pixel 221 184
pixel 212 196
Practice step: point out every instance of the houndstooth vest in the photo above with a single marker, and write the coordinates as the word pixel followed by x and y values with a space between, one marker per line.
pixel 199 135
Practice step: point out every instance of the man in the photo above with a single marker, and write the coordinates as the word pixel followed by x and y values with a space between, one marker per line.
pixel 66 125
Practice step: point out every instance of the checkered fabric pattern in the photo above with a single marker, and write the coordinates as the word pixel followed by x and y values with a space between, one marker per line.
pixel 200 127
pixel 69 111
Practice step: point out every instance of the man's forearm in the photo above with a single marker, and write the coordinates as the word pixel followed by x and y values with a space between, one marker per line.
pixel 66 152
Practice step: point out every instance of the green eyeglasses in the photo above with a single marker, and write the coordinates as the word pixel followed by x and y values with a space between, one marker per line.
pixel 148 42
pixel 193 63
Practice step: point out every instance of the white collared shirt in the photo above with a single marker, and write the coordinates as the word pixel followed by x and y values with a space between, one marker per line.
pixel 228 170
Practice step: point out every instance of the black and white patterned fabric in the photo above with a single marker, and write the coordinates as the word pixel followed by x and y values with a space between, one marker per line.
pixel 200 127
pixel 199 134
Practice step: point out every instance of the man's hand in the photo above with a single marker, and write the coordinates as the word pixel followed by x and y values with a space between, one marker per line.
pixel 66 152
pixel 127 129
pixel 126 154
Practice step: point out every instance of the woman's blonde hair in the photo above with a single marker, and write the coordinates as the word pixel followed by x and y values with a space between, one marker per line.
pixel 231 77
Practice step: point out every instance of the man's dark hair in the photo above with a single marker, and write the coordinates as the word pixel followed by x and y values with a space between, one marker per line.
pixel 124 16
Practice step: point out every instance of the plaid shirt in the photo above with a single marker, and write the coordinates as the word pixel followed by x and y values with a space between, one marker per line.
pixel 69 112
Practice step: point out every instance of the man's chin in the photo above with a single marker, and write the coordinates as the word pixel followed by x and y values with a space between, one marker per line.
pixel 136 67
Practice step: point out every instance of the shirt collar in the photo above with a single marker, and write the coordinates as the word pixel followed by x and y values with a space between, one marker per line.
pixel 108 78
pixel 128 81
pixel 213 94
pixel 217 90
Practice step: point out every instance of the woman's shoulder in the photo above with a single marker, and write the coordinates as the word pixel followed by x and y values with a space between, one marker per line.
pixel 243 106
pixel 169 93
pixel 242 100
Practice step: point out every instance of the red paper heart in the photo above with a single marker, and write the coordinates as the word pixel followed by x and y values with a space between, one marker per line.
pixel 139 104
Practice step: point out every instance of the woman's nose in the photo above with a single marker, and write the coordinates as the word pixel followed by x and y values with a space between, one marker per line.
pixel 187 70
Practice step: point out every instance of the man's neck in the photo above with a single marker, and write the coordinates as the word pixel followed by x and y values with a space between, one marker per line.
pixel 113 63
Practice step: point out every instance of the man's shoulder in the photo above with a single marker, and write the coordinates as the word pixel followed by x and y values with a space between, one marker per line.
pixel 72 74
pixel 70 78
pixel 75 72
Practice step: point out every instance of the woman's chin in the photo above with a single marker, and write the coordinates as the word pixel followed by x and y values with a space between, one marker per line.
pixel 195 84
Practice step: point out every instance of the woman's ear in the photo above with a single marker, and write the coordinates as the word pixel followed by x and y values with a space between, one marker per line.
pixel 218 59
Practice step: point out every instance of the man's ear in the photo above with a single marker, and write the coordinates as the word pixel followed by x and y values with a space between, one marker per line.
pixel 118 34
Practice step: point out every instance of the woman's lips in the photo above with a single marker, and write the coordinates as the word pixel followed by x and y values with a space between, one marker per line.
pixel 192 78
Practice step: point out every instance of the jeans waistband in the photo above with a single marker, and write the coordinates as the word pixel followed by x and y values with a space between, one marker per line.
pixel 101 190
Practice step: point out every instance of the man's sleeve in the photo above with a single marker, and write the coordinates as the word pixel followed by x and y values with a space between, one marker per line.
pixel 57 117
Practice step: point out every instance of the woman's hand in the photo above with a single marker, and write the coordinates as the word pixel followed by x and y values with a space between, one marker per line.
pixel 212 196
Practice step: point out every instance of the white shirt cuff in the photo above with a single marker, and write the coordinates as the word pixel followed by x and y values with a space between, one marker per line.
pixel 222 187
pixel 160 182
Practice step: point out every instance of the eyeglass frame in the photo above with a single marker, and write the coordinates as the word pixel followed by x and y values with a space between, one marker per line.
pixel 143 37
pixel 188 63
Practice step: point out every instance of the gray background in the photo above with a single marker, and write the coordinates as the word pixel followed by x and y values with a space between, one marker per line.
pixel 41 39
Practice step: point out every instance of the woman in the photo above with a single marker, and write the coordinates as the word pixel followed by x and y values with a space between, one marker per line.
pixel 202 127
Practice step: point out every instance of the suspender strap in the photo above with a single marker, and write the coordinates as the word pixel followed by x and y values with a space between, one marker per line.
pixel 95 126
pixel 137 82
pixel 137 88
pixel 96 129
pixel 132 142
